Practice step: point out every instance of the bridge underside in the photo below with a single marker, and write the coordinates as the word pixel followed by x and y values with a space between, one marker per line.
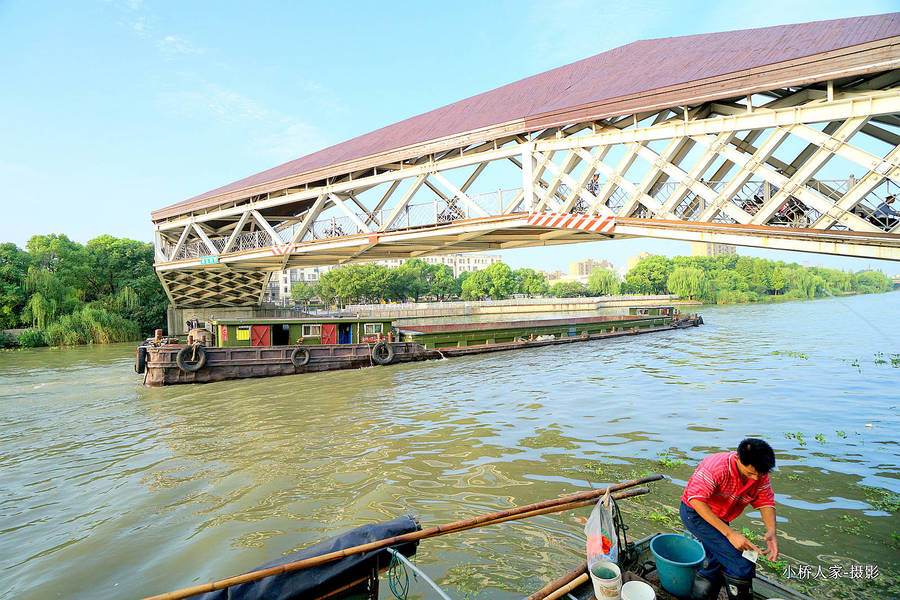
pixel 803 167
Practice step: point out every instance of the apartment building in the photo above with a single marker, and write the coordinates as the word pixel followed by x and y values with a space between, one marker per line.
pixel 710 249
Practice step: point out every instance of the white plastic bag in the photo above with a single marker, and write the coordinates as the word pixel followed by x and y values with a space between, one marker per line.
pixel 602 542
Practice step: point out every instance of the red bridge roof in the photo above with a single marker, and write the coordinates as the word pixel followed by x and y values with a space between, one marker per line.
pixel 641 75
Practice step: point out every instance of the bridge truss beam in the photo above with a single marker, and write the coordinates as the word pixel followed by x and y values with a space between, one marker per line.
pixel 743 171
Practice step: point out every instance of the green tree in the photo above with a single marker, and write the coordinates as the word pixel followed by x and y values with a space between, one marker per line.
pixel 777 281
pixel 761 276
pixel 689 282
pixel 325 288
pixel 568 289
pixel 414 275
pixel 530 282
pixel 49 296
pixel 13 270
pixel 503 283
pixel 871 282
pixel 460 279
pixel 57 253
pixel 476 286
pixel 495 282
pixel 442 284
pixel 302 293
pixel 650 276
pixel 603 282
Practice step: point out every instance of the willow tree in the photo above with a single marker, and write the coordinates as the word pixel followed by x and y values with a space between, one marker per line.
pixel 688 282
pixel 603 282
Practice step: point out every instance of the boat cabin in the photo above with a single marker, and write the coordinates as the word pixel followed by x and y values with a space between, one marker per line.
pixel 307 331
pixel 653 311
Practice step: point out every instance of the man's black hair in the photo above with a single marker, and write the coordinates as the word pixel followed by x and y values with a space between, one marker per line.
pixel 756 453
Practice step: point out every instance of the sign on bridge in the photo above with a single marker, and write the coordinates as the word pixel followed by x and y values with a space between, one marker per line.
pixel 573 221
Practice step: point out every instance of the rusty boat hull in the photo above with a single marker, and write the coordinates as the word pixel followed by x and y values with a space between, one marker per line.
pixel 266 361
pixel 224 363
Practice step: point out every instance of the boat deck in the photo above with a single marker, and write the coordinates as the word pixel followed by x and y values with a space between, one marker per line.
pixel 499 347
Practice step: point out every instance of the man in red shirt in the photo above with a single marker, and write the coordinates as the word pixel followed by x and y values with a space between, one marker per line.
pixel 718 491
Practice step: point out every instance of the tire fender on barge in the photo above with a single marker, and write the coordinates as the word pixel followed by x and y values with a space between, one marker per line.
pixel 300 357
pixel 197 354
pixel 140 360
pixel 383 353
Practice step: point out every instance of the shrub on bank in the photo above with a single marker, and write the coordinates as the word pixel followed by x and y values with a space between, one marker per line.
pixel 6 340
pixel 91 325
pixel 31 338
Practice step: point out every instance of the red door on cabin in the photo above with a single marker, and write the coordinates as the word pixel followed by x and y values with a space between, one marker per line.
pixel 329 333
pixel 259 335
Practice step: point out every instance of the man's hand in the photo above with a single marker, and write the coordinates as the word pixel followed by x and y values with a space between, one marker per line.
pixel 740 542
pixel 771 545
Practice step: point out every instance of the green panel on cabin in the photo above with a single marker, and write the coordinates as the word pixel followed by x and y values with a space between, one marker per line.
pixel 448 339
pixel 295 329
pixel 232 335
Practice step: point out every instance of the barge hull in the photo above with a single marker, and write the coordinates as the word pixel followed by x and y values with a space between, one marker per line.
pixel 266 361
pixel 224 363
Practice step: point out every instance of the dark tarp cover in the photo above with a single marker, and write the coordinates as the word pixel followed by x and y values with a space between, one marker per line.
pixel 315 581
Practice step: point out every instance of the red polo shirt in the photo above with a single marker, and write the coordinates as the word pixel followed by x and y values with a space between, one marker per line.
pixel 718 482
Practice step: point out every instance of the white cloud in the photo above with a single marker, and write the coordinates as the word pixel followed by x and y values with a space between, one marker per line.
pixel 211 101
pixel 140 26
pixel 292 141
pixel 172 44
pixel 270 134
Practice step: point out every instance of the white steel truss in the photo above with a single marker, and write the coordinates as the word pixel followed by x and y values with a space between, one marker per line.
pixel 747 171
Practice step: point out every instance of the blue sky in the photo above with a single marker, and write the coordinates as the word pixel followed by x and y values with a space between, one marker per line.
pixel 114 108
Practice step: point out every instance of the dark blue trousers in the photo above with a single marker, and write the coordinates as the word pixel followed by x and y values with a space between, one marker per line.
pixel 720 554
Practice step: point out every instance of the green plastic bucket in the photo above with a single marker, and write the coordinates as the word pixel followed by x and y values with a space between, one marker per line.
pixel 677 560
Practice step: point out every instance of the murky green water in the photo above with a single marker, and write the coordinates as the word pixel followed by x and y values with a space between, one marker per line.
pixel 111 490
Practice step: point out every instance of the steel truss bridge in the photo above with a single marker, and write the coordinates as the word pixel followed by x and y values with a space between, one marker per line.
pixel 760 158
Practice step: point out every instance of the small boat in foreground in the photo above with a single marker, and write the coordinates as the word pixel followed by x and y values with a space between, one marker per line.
pixel 349 565
pixel 246 348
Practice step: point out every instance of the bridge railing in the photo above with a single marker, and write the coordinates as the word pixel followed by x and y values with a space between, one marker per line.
pixel 752 196
pixel 434 212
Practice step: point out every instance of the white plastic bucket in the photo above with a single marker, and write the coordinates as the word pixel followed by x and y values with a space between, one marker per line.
pixel 607 580
pixel 637 590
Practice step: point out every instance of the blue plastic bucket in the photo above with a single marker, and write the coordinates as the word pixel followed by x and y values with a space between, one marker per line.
pixel 677 559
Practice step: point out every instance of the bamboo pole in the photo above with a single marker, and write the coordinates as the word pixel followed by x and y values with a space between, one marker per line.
pixel 568 587
pixel 621 495
pixel 556 584
pixel 498 517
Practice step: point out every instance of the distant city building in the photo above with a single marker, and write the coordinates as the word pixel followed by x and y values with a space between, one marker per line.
pixel 461 263
pixel 710 249
pixel 278 291
pixel 587 266
pixel 634 260
pixel 552 276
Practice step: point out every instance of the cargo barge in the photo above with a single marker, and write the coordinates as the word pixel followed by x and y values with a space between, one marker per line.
pixel 240 349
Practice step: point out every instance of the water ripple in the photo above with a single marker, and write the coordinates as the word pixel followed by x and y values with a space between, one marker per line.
pixel 113 490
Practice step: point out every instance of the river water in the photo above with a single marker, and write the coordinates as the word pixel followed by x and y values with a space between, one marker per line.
pixel 112 490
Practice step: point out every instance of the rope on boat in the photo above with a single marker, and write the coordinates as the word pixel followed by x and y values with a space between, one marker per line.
pixel 398 577
pixel 396 556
